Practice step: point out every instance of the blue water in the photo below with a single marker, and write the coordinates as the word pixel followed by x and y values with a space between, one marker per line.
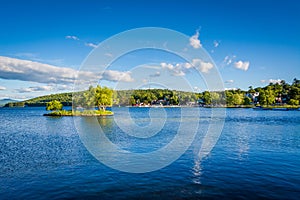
pixel 256 156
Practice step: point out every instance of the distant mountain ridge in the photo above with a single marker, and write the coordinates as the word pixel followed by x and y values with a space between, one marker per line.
pixel 7 100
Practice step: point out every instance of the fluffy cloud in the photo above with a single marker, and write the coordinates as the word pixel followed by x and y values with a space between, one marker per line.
pixel 180 69
pixel 175 70
pixel 89 44
pixel 2 88
pixel 115 76
pixel 24 70
pixel 229 81
pixel 194 41
pixel 242 65
pixel 274 81
pixel 72 37
pixel 202 66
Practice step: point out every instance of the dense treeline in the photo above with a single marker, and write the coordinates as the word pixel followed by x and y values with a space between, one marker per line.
pixel 280 93
pixel 162 97
pixel 64 98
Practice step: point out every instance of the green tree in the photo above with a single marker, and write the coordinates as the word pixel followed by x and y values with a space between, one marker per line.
pixel 54 105
pixel 251 90
pixel 270 96
pixel 132 101
pixel 174 100
pixel 247 100
pixel 229 97
pixel 294 102
pixel 262 99
pixel 296 82
pixel 207 98
pixel 89 98
pixel 294 92
pixel 215 97
pixel 103 97
pixel 238 99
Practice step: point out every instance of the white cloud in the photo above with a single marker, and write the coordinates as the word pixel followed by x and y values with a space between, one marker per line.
pixel 194 41
pixel 274 81
pixel 25 70
pixel 2 88
pixel 180 69
pixel 196 89
pixel 44 88
pixel 89 44
pixel 242 65
pixel 231 88
pixel 108 55
pixel 228 59
pixel 216 43
pixel 229 81
pixel 155 67
pixel 175 70
pixel 202 66
pixel 35 89
pixel 115 76
pixel 72 37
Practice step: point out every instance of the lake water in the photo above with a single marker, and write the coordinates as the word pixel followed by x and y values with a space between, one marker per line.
pixel 257 156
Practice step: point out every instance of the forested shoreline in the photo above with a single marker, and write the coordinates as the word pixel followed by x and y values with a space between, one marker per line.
pixel 278 94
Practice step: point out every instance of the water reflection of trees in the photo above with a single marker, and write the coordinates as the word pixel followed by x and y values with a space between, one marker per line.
pixel 105 122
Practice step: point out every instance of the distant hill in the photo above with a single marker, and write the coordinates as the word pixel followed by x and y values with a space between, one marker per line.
pixel 64 98
pixel 5 101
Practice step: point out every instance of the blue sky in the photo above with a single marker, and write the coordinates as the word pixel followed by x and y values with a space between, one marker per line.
pixel 251 42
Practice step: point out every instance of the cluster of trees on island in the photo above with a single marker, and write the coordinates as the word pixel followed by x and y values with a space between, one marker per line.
pixel 280 93
pixel 84 103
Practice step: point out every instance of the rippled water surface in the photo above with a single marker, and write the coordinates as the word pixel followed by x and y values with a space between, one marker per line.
pixel 257 155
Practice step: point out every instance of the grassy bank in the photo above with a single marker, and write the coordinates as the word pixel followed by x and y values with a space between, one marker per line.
pixel 79 113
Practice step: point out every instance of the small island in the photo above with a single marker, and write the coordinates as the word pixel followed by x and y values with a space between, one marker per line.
pixel 84 104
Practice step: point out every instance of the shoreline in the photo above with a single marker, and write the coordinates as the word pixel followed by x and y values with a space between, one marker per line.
pixel 86 113
pixel 80 115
